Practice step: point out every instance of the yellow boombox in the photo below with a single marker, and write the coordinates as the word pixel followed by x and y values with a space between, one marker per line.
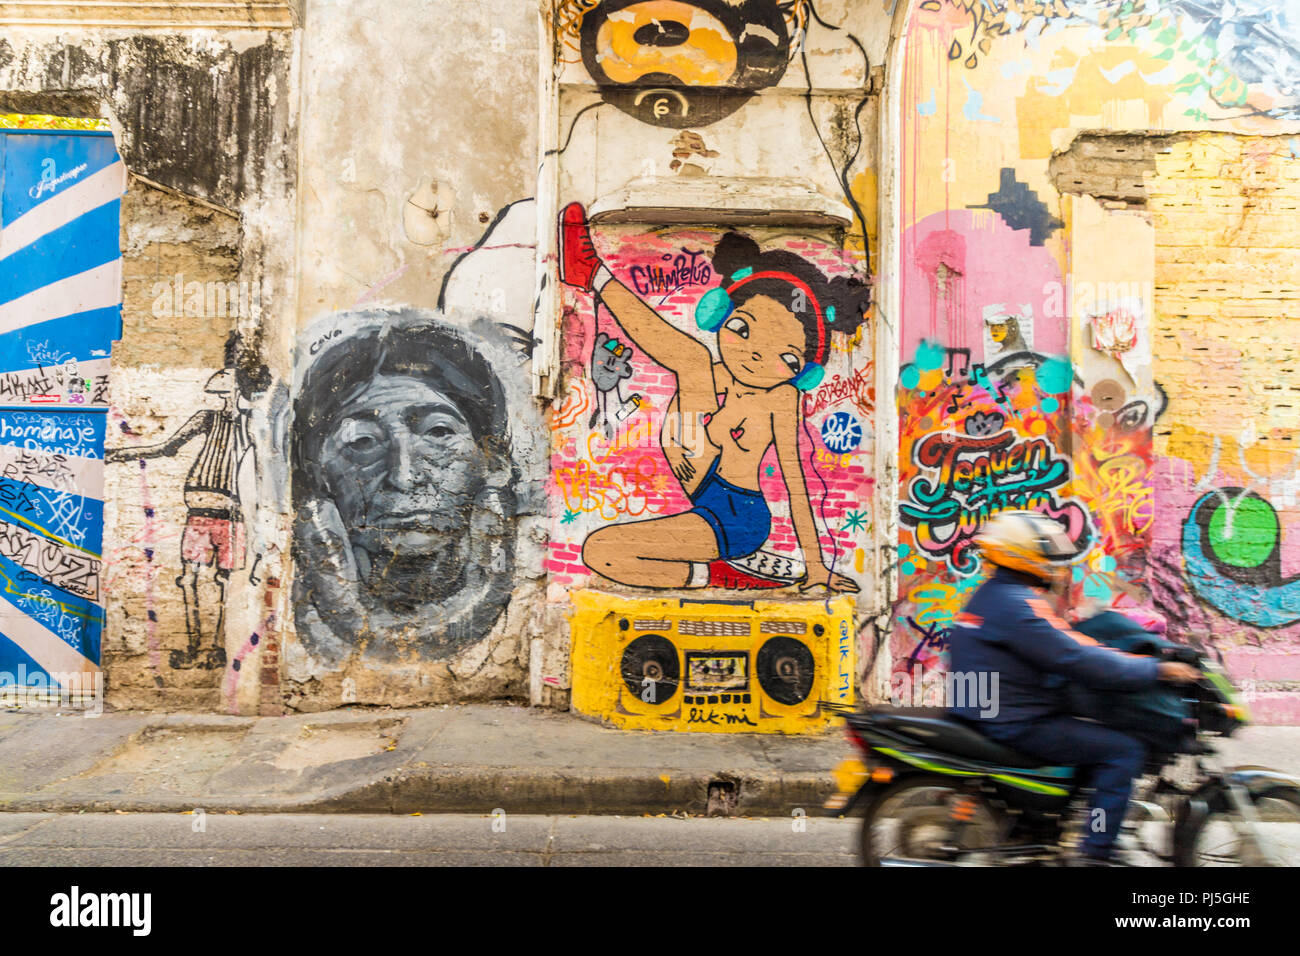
pixel 717 667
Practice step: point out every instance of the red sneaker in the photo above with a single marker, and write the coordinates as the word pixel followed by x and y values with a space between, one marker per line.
pixel 723 574
pixel 578 259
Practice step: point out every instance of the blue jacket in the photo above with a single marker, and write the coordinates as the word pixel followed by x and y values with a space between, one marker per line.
pixel 1009 630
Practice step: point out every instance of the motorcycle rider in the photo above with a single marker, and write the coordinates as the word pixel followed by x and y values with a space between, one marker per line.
pixel 1010 629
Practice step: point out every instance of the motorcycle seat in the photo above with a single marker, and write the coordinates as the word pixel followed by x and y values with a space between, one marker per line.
pixel 940 730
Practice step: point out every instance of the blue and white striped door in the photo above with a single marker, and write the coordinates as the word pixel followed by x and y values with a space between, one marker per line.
pixel 60 310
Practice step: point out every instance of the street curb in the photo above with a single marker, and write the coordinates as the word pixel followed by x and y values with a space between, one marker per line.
pixel 485 789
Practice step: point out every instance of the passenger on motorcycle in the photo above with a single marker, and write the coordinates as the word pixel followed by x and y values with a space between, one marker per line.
pixel 1010 629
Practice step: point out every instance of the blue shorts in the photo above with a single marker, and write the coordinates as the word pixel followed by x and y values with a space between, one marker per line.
pixel 739 517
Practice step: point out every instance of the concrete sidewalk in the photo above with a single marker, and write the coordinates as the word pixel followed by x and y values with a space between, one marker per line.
pixel 465 758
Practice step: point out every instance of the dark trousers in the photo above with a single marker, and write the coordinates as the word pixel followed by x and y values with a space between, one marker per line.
pixel 1109 759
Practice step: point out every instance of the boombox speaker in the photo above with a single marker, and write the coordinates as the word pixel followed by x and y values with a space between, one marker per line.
pixel 717 667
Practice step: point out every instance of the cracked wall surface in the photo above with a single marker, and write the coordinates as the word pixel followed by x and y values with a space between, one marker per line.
pixel 204 124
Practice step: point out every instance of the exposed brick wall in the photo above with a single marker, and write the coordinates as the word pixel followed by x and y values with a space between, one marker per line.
pixel 159 369
pixel 170 240
pixel 1226 342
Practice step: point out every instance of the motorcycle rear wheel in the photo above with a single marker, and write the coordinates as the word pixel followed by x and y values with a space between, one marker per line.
pixel 1216 841
pixel 911 824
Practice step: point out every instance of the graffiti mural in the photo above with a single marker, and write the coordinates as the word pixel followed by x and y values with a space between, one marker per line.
pixel 416 453
pixel 736 461
pixel 968 478
pixel 404 487
pixel 1244 57
pixel 1154 430
pixel 985 409
pixel 215 524
pixel 60 311
pixel 976 440
pixel 682 63
pixel 1232 543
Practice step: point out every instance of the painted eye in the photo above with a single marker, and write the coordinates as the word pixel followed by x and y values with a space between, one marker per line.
pixel 738 325
pixel 437 426
pixel 361 441
pixel 792 362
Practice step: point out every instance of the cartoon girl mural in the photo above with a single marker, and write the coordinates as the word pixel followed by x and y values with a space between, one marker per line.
pixel 773 314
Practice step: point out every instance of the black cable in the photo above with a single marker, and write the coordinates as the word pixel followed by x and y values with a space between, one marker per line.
pixel 842 174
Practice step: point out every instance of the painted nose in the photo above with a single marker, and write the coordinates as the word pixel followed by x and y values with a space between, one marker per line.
pixel 401 470
pixel 755 356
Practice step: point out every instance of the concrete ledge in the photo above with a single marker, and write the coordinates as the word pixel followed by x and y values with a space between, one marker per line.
pixel 481 790
pixel 472 758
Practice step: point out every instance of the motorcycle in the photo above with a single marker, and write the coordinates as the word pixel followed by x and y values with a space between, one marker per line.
pixel 933 791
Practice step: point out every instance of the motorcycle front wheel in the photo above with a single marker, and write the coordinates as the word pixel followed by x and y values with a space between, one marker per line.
pixel 1218 841
pixel 925 821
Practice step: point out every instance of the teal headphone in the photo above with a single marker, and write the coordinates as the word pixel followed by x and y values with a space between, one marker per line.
pixel 716 305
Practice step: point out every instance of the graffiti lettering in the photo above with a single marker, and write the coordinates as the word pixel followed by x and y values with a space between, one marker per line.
pixel 18 497
pixel 52 470
pixel 688 268
pixel 74 571
pixel 977 478
pixel 857 387
pixel 841 432
pixel 623 490
pixel 19 386
pixel 50 433
pixel 697 715
pixel 933 637
pixel 52 179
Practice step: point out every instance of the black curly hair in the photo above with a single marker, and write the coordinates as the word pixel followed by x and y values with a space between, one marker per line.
pixel 849 296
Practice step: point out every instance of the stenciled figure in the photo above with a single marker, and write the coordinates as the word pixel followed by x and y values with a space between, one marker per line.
pixel 773 315
pixel 1005 332
pixel 214 523
pixel 403 485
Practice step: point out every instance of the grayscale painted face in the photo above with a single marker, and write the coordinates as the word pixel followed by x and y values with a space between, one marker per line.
pixel 404 470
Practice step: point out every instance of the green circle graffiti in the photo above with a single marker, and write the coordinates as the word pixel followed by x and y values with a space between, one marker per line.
pixel 1244 533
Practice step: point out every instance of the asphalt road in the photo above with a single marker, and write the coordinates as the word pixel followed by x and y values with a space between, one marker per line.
pixel 173 839
pixel 162 839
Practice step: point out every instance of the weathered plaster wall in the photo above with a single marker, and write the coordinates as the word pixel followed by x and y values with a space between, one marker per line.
pixel 204 119
pixel 417 446
pixel 1061 281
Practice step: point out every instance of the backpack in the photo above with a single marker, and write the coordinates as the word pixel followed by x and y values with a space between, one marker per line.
pixel 1160 716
